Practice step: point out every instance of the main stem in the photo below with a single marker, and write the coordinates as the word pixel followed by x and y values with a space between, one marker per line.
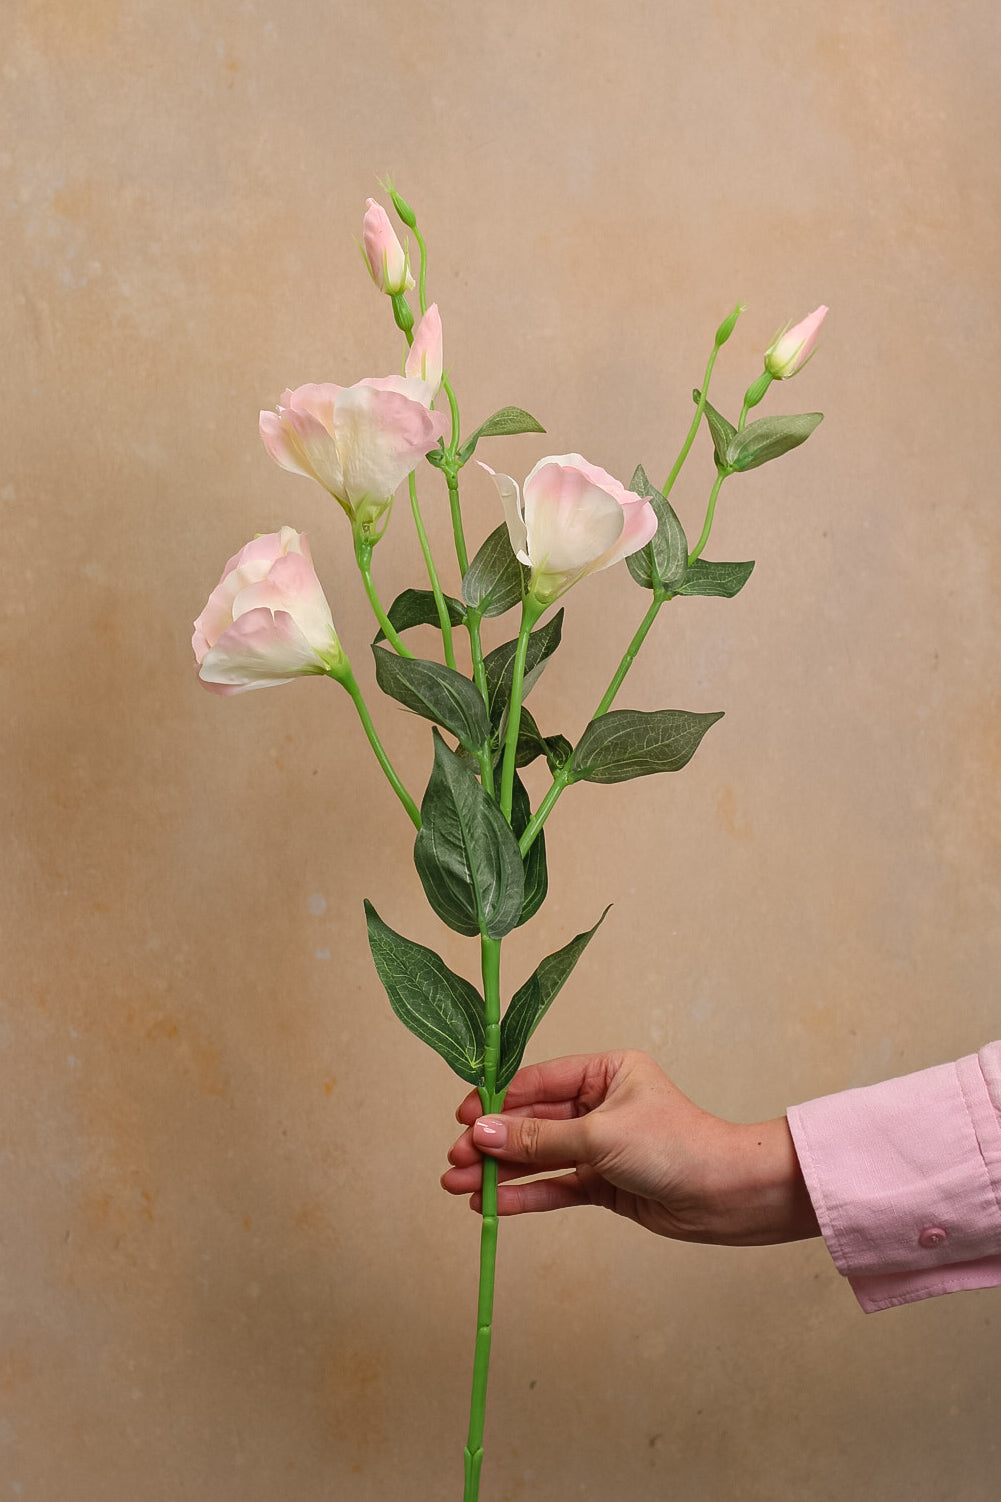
pixel 492 1100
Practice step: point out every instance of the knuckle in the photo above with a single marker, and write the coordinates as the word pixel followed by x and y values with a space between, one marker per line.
pixel 529 1144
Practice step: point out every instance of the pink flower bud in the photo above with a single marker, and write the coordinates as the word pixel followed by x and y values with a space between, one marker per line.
pixel 424 361
pixel 793 348
pixel 267 621
pixel 359 442
pixel 387 260
pixel 572 520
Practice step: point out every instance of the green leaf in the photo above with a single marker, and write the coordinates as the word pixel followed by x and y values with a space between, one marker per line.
pixel 665 557
pixel 768 438
pixel 438 1006
pixel 628 743
pixel 499 664
pixel 416 607
pixel 531 1002
pixel 507 420
pixel 532 743
pixel 722 431
pixel 466 856
pixel 722 579
pixel 536 873
pixel 493 581
pixel 437 693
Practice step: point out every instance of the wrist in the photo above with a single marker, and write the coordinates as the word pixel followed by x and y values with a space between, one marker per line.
pixel 760 1196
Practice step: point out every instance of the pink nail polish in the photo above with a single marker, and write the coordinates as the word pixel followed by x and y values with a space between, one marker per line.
pixel 490 1131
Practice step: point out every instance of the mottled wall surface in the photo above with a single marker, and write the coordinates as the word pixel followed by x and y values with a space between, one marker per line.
pixel 227 1271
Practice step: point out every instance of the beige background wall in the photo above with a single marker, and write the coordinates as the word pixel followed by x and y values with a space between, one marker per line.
pixel 227 1270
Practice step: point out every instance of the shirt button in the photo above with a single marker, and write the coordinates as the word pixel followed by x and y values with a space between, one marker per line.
pixel 931 1236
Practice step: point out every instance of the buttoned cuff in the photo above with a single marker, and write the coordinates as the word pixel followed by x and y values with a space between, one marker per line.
pixel 905 1179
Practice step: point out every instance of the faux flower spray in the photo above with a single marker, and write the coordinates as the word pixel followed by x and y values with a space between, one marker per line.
pixel 480 847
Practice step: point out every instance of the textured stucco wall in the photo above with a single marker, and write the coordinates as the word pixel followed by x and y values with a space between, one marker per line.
pixel 227 1271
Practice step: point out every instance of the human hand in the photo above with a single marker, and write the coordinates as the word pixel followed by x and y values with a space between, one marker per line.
pixel 634 1144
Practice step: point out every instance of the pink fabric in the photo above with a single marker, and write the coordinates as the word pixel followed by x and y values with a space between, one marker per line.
pixel 905 1178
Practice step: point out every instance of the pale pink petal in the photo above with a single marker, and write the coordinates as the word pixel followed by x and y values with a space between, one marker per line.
pixel 381 437
pixel 259 650
pixel 316 398
pixel 570 520
pixel 510 499
pixel 639 525
pixel 314 448
pixel 251 563
pixel 279 443
pixel 292 587
pixel 424 362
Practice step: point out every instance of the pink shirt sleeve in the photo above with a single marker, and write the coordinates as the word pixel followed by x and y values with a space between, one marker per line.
pixel 905 1179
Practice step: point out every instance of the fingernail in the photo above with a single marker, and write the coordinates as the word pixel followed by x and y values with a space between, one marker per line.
pixel 490 1131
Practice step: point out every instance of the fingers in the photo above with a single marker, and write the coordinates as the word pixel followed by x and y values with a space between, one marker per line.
pixel 537 1197
pixel 575 1083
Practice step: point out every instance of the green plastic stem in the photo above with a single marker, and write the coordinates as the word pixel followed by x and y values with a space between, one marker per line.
pixel 492 1100
pixel 363 554
pixel 347 678
pixel 439 598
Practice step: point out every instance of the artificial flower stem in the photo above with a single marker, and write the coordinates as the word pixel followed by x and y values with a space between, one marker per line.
pixel 347 678
pixel 562 778
pixel 721 475
pixel 629 656
pixel 700 408
pixel 439 598
pixel 491 1100
pixel 363 555
pixel 531 609
pixel 422 274
pixel 452 481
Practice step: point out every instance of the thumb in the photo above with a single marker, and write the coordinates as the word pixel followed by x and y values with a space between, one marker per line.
pixel 527 1139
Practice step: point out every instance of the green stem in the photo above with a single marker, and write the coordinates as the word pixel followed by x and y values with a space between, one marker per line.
pixel 530 612
pixel 721 475
pixel 439 599
pixel 422 274
pixel 700 408
pixel 347 678
pixel 452 481
pixel 491 1099
pixel 363 555
pixel 562 779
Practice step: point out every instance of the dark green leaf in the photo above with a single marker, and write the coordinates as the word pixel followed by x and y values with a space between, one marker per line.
pixel 493 581
pixel 507 420
pixel 536 874
pixel 499 664
pixel 768 438
pixel 722 579
pixel 665 557
pixel 466 856
pixel 532 743
pixel 629 743
pixel 436 692
pixel 722 431
pixel 438 1006
pixel 416 607
pixel 530 1003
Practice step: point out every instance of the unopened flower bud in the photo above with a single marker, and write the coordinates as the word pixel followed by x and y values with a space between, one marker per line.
pixel 794 347
pixel 387 260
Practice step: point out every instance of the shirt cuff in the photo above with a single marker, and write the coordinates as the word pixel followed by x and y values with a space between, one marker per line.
pixel 905 1179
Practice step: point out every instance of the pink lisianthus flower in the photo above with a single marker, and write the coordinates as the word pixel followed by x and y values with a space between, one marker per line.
pixel 572 519
pixel 361 442
pixel 793 347
pixel 387 260
pixel 267 621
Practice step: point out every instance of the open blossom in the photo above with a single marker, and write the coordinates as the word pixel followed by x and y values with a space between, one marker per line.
pixel 793 348
pixel 387 260
pixel 572 519
pixel 267 621
pixel 361 442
